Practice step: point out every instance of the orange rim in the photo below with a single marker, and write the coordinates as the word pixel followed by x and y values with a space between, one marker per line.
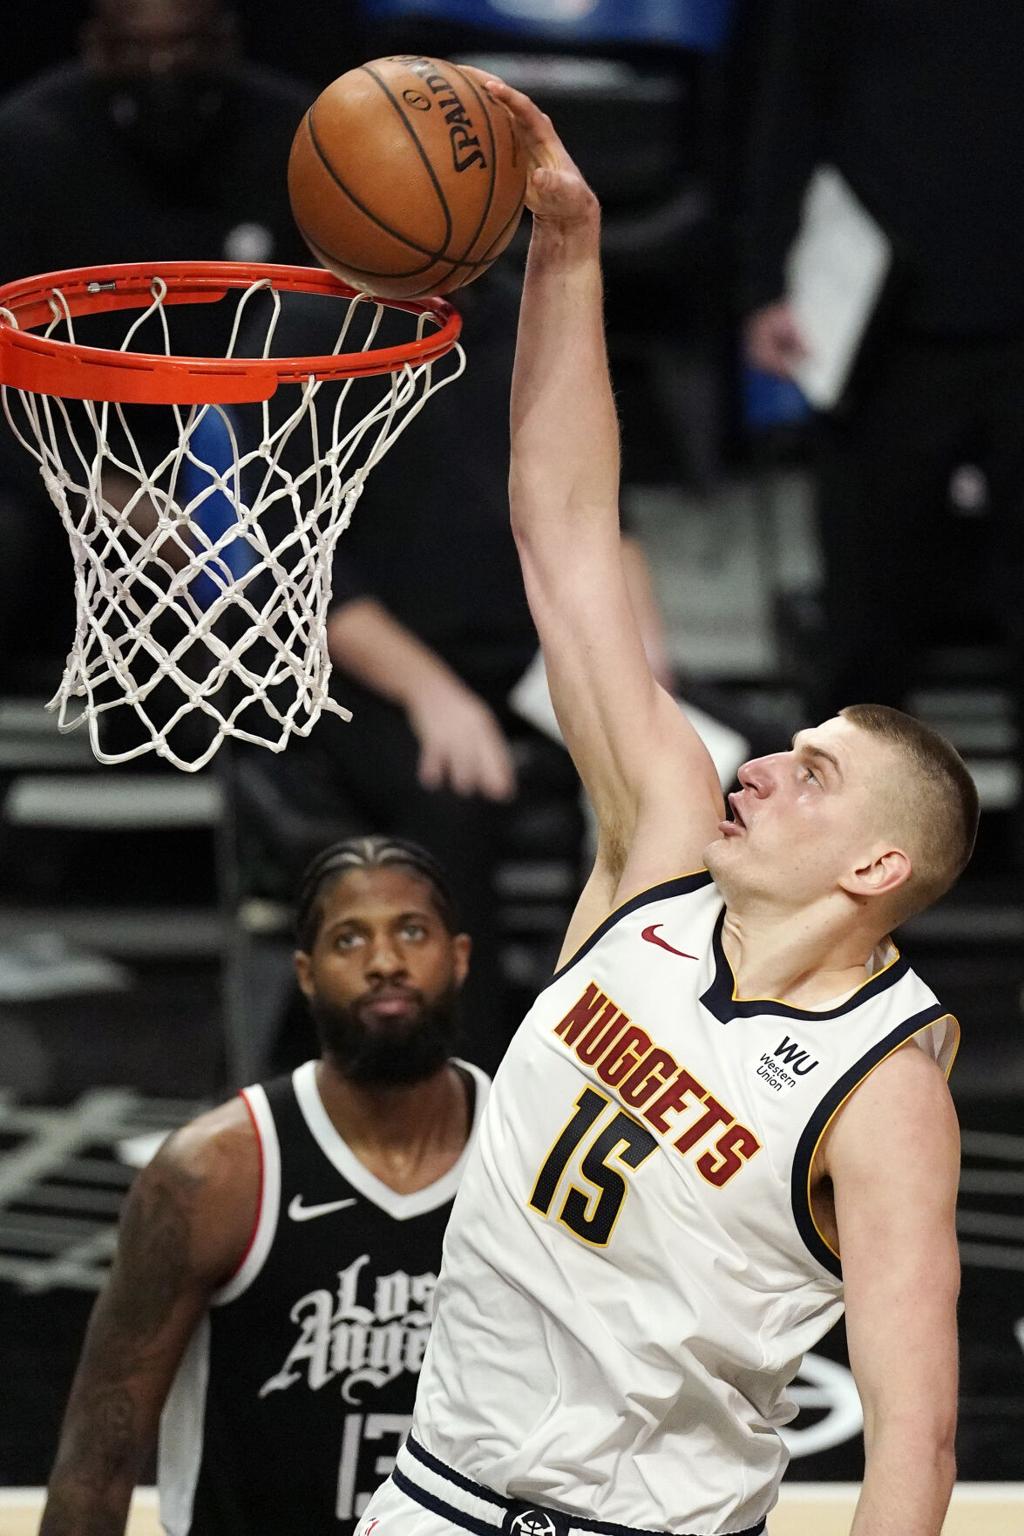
pixel 47 366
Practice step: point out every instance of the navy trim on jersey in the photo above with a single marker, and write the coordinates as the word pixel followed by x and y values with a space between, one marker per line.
pixel 501 1501
pixel 815 1128
pixel 439 1507
pixel 450 1475
pixel 682 885
pixel 719 999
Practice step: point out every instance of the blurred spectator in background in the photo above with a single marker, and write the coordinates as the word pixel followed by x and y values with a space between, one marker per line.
pixel 919 105
pixel 160 142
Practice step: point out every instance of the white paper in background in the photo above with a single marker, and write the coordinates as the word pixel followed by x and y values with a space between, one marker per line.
pixel 835 272
pixel 531 700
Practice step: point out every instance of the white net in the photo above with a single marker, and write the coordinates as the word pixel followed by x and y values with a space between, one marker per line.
pixel 203 536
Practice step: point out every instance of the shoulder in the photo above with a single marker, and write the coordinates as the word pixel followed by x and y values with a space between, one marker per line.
pixel 902 1111
pixel 209 1166
pixel 204 1182
pixel 214 1147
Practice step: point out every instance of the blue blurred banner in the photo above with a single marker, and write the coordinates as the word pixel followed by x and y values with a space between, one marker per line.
pixel 210 442
pixel 700 24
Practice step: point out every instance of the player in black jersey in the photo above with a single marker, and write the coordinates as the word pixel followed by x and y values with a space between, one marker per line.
pixel 270 1299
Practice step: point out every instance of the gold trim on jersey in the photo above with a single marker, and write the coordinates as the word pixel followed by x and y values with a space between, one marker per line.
pixel 845 998
pixel 948 1018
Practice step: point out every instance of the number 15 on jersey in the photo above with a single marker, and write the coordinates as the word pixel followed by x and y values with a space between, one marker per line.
pixel 598 1147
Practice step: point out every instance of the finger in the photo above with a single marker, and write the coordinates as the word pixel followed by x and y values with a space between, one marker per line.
pixel 464 775
pixel 484 76
pixel 430 771
pixel 499 783
pixel 556 187
pixel 535 127
pixel 498 776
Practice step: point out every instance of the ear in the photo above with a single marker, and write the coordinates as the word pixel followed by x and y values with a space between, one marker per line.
pixel 462 946
pixel 304 972
pixel 885 873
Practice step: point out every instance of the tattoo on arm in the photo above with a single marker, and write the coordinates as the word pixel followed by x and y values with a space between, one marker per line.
pixel 120 1383
pixel 151 1268
pixel 98 1460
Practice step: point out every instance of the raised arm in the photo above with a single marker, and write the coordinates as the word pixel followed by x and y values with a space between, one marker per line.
pixel 651 781
pixel 184 1228
pixel 893 1158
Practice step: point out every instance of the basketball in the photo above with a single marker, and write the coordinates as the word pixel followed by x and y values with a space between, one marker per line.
pixel 405 178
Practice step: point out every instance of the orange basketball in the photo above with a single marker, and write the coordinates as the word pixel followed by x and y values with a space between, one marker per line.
pixel 405 178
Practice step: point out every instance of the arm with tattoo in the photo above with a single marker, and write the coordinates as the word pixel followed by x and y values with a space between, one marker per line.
pixel 184 1228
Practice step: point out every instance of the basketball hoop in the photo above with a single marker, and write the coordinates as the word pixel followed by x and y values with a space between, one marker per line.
pixel 203 532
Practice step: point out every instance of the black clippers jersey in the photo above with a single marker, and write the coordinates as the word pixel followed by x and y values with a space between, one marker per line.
pixel 297 1387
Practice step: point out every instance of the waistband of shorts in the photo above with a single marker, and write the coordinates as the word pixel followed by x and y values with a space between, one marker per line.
pixel 451 1496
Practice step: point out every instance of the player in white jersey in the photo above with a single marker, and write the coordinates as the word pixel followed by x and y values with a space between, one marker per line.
pixel 732 1079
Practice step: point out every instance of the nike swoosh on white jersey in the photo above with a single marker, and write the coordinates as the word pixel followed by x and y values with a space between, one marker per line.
pixel 299 1212
pixel 652 936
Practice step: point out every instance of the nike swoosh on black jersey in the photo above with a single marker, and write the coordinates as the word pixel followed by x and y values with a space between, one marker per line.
pixel 299 1212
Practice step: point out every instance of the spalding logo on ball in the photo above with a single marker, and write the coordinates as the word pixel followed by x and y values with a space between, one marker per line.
pixel 406 178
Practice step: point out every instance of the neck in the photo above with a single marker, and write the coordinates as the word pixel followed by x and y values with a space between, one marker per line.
pixel 804 957
pixel 407 1135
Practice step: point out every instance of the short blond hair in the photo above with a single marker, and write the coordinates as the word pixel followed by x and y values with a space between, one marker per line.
pixel 937 803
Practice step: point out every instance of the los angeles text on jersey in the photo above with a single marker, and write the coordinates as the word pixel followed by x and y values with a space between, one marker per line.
pixel 648 1079
pixel 364 1332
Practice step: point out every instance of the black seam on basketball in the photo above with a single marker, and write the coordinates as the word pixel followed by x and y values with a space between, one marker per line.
pixel 494 159
pixel 453 267
pixel 326 257
pixel 433 256
pixel 395 234
pixel 483 263
pixel 487 257
pixel 423 293
pixel 407 125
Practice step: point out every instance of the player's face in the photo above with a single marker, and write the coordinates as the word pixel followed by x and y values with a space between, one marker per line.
pixel 156 37
pixel 383 976
pixel 805 819
pixel 161 67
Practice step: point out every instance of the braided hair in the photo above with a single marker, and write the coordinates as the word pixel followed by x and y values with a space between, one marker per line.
pixel 376 852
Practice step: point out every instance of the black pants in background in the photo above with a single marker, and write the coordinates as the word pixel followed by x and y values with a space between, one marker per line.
pixel 899 567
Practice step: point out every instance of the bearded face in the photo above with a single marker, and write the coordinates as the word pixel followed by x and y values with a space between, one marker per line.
pixel 382 977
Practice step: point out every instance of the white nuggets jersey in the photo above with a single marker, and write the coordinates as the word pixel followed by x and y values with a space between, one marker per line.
pixel 632 1272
